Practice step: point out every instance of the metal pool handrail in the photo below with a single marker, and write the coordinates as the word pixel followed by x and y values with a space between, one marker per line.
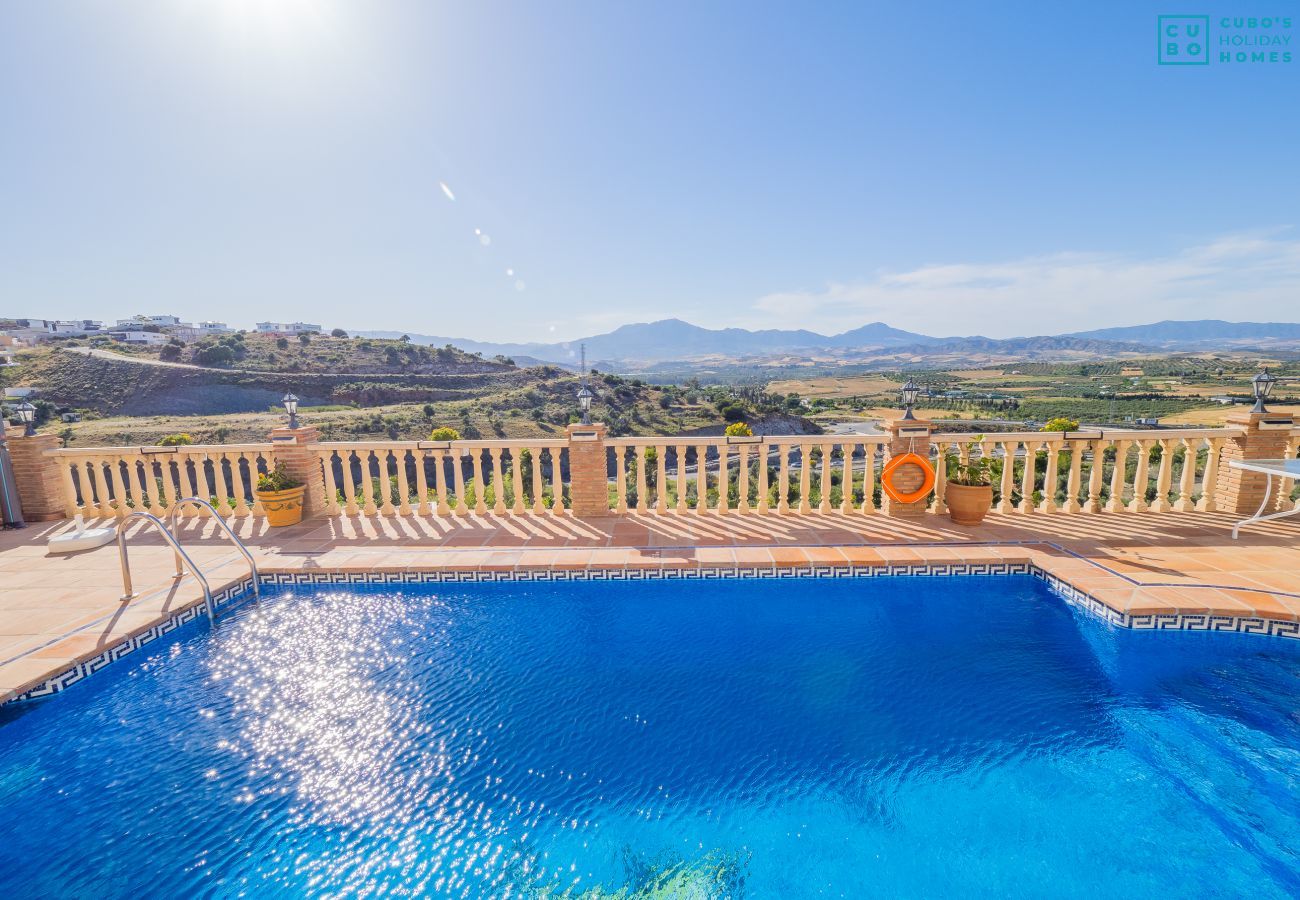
pixel 181 555
pixel 171 525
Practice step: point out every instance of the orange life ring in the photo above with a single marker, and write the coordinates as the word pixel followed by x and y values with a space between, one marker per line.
pixel 896 463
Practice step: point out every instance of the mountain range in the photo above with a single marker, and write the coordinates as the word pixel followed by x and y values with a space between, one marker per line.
pixel 672 340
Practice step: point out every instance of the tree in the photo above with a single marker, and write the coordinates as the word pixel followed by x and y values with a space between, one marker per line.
pixel 282 343
pixel 304 338
pixel 338 333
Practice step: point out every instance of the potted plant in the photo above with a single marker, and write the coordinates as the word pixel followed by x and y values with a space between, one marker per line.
pixel 969 493
pixel 280 496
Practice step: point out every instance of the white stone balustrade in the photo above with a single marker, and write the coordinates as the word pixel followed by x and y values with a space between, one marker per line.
pixel 1112 472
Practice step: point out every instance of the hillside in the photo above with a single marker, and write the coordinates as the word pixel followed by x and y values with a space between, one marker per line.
pixel 140 400
pixel 318 353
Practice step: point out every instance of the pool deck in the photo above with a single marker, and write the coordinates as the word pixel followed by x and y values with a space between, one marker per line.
pixel 57 611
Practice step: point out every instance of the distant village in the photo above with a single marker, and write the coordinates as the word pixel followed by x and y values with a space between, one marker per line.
pixel 135 330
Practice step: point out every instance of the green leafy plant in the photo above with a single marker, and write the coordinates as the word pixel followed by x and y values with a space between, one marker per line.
pixel 739 429
pixel 277 480
pixel 176 440
pixel 975 472
pixel 444 434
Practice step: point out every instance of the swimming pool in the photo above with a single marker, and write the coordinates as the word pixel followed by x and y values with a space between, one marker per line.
pixel 710 738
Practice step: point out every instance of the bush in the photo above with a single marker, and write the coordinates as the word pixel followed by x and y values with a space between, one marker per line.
pixel 1061 423
pixel 214 355
pixel 179 439
pixel 444 434
pixel 282 343
pixel 304 338
pixel 739 429
pixel 338 332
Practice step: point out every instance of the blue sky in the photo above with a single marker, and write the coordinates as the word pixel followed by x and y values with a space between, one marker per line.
pixel 948 168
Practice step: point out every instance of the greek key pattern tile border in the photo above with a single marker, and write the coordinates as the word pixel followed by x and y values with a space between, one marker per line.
pixel 1072 595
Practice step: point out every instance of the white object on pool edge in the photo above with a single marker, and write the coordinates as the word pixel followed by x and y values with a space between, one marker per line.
pixel 81 537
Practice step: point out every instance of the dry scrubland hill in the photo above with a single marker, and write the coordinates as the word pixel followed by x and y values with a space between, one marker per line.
pixel 252 375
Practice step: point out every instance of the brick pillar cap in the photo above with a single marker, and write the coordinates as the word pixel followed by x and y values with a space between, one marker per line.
pixel 1251 419
pixel 304 434
pixel 594 427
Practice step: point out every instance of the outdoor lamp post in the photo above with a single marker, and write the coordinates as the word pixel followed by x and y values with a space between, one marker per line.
pixel 909 393
pixel 1263 385
pixel 584 400
pixel 291 407
pixel 27 413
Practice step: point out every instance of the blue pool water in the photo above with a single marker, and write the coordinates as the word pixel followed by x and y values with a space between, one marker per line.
pixel 761 738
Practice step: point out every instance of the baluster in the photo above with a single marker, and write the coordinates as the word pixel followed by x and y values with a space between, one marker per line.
pixel 480 493
pixel 254 471
pixel 221 483
pixel 440 481
pixel 367 483
pixel 742 478
pixel 1163 479
pixel 421 483
pixel 824 482
pixel 1210 480
pixel 1118 476
pixel 456 456
pixel 385 488
pixel 1095 475
pixel 620 480
pixel 1008 475
pixel 642 483
pixel 1051 475
pixel 403 483
pixel 1141 476
pixel 1187 478
pixel 681 477
pixel 516 481
pixel 940 479
pixel 538 488
pixel 783 480
pixel 869 477
pixel 70 505
pixel 764 454
pixel 661 480
pixel 237 477
pixel 724 477
pixel 326 460
pixel 557 482
pixel 701 479
pixel 498 484
pixel 805 478
pixel 846 477
pixel 1074 483
pixel 104 478
pixel 1027 478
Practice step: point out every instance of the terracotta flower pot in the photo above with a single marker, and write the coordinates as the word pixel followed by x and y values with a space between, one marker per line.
pixel 282 507
pixel 968 504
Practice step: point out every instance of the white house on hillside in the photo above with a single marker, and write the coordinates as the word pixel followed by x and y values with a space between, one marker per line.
pixel 287 329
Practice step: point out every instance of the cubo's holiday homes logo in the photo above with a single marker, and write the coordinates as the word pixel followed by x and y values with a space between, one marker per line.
pixel 1223 40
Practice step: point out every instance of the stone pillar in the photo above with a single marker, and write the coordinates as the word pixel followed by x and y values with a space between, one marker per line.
pixel 1264 436
pixel 294 450
pixel 36 476
pixel 588 471
pixel 906 436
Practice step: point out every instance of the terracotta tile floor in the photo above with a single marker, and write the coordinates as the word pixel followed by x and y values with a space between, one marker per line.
pixel 58 610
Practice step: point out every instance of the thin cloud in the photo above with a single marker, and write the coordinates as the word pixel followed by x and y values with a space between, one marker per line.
pixel 1253 277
